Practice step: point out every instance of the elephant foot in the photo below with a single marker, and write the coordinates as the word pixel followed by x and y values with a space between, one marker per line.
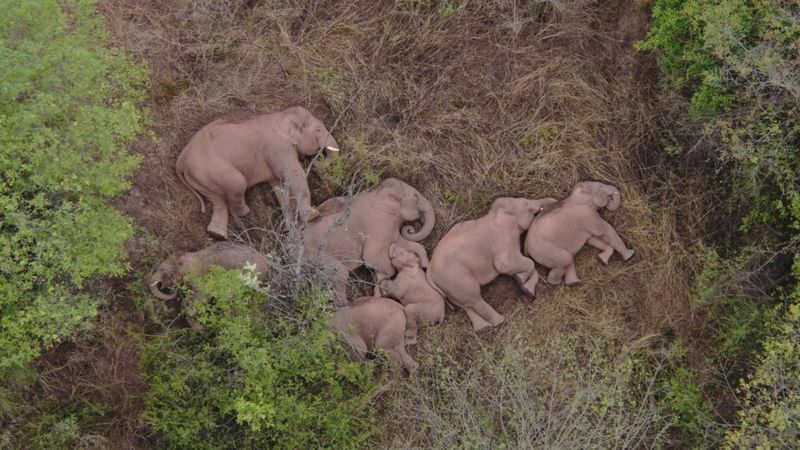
pixel 530 287
pixel 217 232
pixel 604 257
pixel 478 322
pixel 309 214
pixel 240 210
pixel 522 277
pixel 411 339
pixel 629 254
pixel 572 283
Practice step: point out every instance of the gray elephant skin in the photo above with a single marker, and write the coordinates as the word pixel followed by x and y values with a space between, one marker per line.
pixel 375 323
pixel 556 235
pixel 347 235
pixel 226 157
pixel 475 252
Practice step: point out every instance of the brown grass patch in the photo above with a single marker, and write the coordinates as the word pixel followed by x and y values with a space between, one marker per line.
pixel 467 101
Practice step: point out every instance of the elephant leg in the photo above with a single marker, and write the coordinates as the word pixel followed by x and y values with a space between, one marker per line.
pixel 218 227
pixel 555 275
pixel 412 323
pixel 521 268
pixel 236 204
pixel 605 250
pixel 610 236
pixel 339 275
pixel 399 353
pixel 358 345
pixel 571 276
pixel 478 323
pixel 379 278
pixel 298 193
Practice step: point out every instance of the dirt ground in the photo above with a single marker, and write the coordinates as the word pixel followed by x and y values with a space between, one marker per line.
pixel 468 101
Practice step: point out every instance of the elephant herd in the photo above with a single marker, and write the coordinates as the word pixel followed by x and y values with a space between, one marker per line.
pixel 375 229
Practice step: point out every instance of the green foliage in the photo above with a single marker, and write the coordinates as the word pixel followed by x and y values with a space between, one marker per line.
pixel 263 374
pixel 738 60
pixel 691 412
pixel 740 318
pixel 67 110
pixel 771 415
pixel 355 162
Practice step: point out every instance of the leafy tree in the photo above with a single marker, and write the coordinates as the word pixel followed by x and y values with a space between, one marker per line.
pixel 68 107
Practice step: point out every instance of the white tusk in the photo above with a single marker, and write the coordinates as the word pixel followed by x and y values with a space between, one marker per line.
pixel 154 283
pixel 331 149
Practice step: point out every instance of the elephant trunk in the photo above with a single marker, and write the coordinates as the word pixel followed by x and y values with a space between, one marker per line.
pixel 428 221
pixel 155 288
pixel 613 204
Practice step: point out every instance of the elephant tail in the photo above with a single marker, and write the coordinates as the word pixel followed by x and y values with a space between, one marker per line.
pixel 182 177
pixel 436 288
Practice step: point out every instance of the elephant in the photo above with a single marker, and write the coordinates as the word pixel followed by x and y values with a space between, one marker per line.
pixel 475 252
pixel 373 323
pixel 227 255
pixel 226 157
pixel 422 302
pixel 556 235
pixel 347 235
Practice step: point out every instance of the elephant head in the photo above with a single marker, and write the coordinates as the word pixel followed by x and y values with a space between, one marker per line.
pixel 309 136
pixel 411 206
pixel 402 257
pixel 518 211
pixel 600 195
pixel 167 274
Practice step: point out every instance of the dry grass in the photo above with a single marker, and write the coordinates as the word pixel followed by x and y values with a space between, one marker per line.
pixel 467 102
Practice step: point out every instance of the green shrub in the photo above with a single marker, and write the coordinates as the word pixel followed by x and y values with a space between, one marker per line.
pixel 691 412
pixel 738 61
pixel 771 394
pixel 263 374
pixel 68 107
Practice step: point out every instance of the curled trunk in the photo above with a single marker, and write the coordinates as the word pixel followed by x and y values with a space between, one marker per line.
pixel 155 288
pixel 428 221
pixel 614 203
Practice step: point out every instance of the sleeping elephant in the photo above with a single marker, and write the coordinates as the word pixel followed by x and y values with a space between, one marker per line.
pixel 475 252
pixel 374 323
pixel 347 235
pixel 225 158
pixel 227 255
pixel 556 235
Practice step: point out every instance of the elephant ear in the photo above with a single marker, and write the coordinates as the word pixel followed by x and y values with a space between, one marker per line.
pixel 331 206
pixel 600 198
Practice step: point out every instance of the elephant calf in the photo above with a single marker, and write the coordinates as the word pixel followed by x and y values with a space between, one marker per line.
pixel 374 323
pixel 556 236
pixel 423 303
pixel 475 252
pixel 227 255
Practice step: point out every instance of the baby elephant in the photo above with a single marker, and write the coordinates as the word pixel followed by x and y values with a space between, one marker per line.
pixel 475 252
pixel 423 303
pixel 227 255
pixel 556 235
pixel 373 323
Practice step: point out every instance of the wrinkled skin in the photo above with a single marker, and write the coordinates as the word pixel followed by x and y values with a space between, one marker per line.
pixel 423 303
pixel 475 252
pixel 374 323
pixel 347 235
pixel 556 236
pixel 225 158
pixel 227 255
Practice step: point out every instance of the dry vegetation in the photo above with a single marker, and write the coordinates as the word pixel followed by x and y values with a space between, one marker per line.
pixel 467 101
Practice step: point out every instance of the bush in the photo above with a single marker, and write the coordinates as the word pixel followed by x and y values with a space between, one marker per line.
pixel 67 110
pixel 263 374
pixel 738 61
pixel 570 390
pixel 771 394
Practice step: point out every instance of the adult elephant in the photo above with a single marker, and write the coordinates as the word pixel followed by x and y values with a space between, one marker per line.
pixel 475 252
pixel 226 157
pixel 556 235
pixel 347 235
